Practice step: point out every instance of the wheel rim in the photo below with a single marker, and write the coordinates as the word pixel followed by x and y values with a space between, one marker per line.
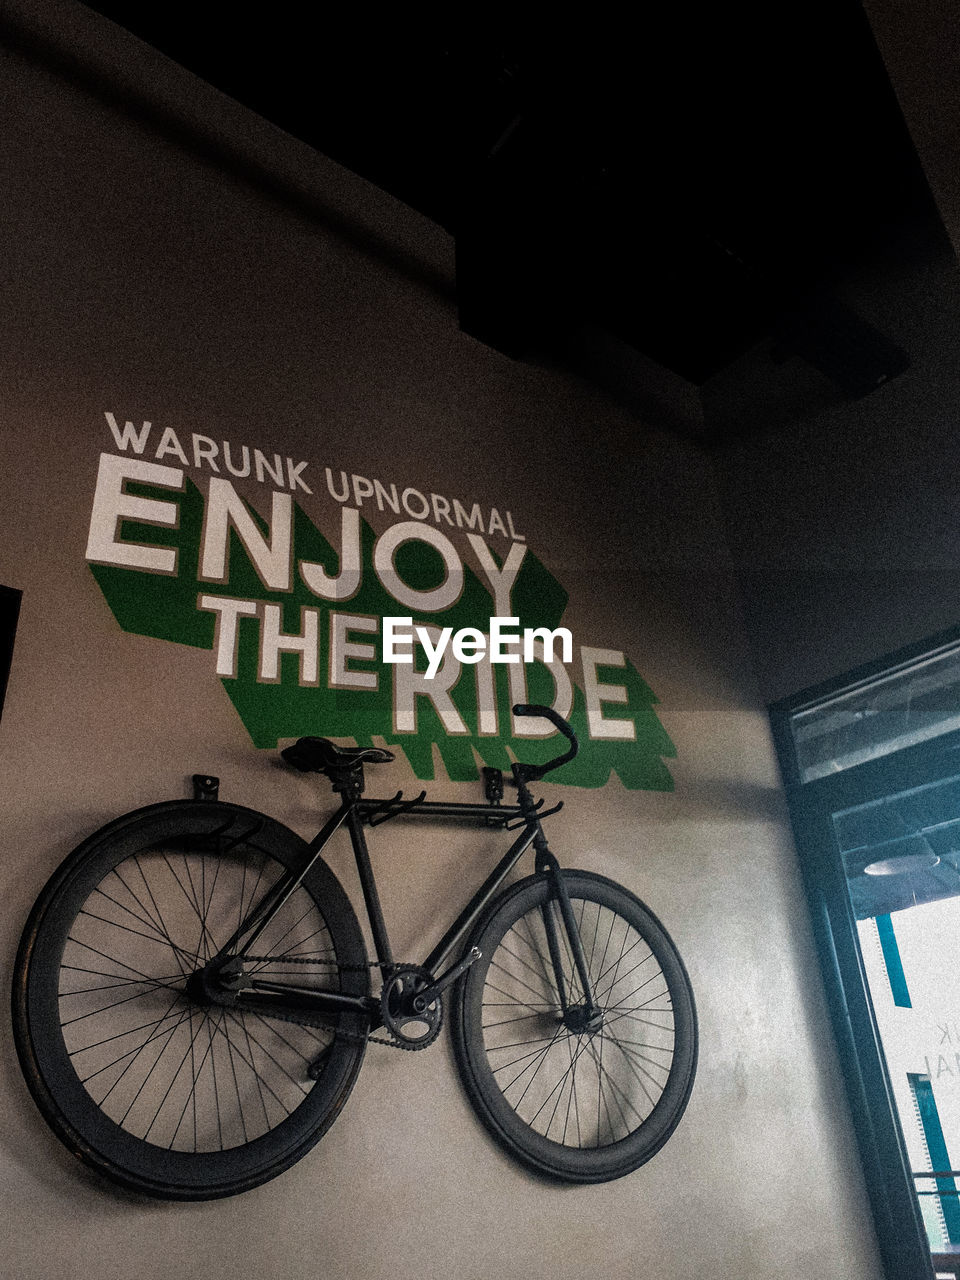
pixel 579 1088
pixel 166 1069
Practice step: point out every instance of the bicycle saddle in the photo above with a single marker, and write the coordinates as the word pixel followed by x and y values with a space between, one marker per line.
pixel 316 755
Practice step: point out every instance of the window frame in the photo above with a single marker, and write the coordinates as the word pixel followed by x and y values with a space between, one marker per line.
pixel 901 1236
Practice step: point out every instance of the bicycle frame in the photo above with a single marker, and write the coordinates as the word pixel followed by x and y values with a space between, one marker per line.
pixel 353 814
pixel 222 980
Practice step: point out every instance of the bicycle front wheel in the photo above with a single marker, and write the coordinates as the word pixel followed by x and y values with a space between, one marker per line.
pixel 577 1094
pixel 147 1082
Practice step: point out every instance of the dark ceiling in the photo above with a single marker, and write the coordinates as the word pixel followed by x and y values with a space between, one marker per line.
pixel 692 185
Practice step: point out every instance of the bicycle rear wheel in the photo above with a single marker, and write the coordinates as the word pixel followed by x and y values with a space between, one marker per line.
pixel 160 1091
pixel 576 1098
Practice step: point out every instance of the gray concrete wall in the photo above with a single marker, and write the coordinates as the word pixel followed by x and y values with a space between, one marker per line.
pixel 153 278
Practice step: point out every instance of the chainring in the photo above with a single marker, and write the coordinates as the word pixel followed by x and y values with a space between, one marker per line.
pixel 412 1028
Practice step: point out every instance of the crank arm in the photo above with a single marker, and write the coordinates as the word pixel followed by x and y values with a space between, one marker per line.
pixel 426 997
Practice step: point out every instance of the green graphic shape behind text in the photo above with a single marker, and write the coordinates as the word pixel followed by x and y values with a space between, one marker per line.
pixel 166 607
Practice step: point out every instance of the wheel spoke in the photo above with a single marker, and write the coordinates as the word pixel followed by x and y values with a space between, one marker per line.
pixel 517 1002
pixel 134 1054
pixel 576 1105
pixel 150 937
pixel 623 977
pixel 158 934
pixel 115 1004
pixel 612 1091
pixel 638 1074
pixel 161 927
pixel 156 1023
pixel 277 943
pixel 256 1076
pixel 656 996
pixel 538 973
pixel 111 960
pixel 120 982
pixel 173 1078
pixel 539 1057
pixel 558 1086
pixel 495 964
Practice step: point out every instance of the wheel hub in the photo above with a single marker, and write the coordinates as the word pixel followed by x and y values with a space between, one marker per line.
pixel 580 1018
pixel 215 983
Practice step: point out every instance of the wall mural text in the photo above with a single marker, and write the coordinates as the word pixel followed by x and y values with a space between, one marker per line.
pixel 423 635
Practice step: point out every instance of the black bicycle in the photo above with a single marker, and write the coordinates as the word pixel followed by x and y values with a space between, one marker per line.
pixel 192 997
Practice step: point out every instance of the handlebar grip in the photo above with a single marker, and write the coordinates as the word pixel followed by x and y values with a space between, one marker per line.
pixel 548 713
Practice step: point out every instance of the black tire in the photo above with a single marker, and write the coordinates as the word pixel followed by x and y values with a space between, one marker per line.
pixel 122 1062
pixel 576 1105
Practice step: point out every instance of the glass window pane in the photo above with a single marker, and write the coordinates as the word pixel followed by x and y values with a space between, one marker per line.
pixel 917 701
pixel 901 857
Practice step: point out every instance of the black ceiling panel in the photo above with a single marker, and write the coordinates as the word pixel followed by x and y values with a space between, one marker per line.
pixel 683 182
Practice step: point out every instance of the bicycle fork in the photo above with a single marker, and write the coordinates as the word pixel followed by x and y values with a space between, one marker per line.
pixel 583 1015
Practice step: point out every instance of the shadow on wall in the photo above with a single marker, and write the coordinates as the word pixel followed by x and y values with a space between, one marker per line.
pixel 132 98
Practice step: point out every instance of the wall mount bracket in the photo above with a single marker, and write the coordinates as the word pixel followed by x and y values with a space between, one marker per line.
pixel 205 787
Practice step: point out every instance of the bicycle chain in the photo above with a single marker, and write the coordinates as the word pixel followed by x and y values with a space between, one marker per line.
pixel 356 1036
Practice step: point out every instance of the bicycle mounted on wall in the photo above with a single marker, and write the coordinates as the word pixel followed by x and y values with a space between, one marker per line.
pixel 192 996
